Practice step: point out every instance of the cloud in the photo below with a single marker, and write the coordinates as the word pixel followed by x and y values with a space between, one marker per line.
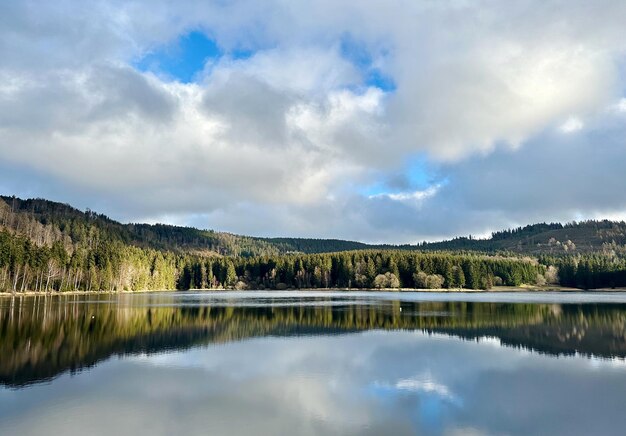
pixel 292 131
pixel 416 196
pixel 164 147
pixel 620 106
pixel 572 125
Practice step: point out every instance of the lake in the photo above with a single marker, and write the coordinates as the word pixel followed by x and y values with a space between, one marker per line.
pixel 309 363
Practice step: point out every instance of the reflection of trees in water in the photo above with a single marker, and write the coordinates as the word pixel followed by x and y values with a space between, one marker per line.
pixel 42 336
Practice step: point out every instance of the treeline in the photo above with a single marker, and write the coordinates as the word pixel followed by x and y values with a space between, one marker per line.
pixel 544 238
pixel 361 269
pixel 51 246
pixel 589 271
pixel 47 221
pixel 107 266
pixel 42 219
pixel 313 245
pixel 529 230
pixel 114 266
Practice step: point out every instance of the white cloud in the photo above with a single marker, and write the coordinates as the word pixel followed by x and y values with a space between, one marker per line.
pixel 415 196
pixel 572 125
pixel 306 71
pixel 620 106
pixel 290 131
pixel 170 145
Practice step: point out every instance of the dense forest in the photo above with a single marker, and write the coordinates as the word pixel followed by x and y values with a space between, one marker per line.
pixel 47 221
pixel 47 246
pixel 114 266
pixel 554 239
pixel 361 269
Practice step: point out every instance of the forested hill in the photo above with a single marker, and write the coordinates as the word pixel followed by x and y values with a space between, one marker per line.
pixel 53 247
pixel 45 222
pixel 548 239
pixel 584 237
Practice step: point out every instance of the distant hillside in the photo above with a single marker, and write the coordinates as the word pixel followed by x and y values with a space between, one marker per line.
pixel 48 246
pixel 547 239
pixel 47 221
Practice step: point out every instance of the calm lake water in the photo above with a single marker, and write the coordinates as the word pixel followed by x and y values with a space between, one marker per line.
pixel 313 363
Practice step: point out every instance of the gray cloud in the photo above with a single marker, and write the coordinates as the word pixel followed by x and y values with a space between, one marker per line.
pixel 291 133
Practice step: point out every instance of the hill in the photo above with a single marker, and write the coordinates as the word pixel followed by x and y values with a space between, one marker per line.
pixel 551 239
pixel 45 221
pixel 48 246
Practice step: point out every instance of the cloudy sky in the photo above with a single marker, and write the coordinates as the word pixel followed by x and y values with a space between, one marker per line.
pixel 375 120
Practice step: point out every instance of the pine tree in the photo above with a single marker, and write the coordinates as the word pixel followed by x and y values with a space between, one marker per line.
pixel 231 274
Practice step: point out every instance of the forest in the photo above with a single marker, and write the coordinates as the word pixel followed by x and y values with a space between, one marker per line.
pixel 51 247
pixel 113 266
pixel 47 221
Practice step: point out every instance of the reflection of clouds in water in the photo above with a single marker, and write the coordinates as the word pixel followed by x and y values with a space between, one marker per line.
pixel 464 431
pixel 371 382
pixel 327 298
pixel 429 399
pixel 496 342
pixel 424 385
pixel 164 401
pixel 600 363
pixel 251 358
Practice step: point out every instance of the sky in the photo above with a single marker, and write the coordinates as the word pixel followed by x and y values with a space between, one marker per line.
pixel 380 121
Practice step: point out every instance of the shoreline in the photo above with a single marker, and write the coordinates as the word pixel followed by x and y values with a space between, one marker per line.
pixel 495 290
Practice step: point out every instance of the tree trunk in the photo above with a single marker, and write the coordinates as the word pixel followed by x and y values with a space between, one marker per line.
pixel 24 278
pixel 16 278
pixel 62 280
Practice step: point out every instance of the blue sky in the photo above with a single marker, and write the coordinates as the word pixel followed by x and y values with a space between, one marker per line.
pixel 186 57
pixel 183 59
pixel 395 123
pixel 360 55
pixel 414 174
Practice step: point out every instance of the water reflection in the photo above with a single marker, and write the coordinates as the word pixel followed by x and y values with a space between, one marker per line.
pixel 44 336
pixel 371 382
pixel 310 364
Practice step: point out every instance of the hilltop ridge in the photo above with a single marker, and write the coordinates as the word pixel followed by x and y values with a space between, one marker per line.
pixel 43 219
